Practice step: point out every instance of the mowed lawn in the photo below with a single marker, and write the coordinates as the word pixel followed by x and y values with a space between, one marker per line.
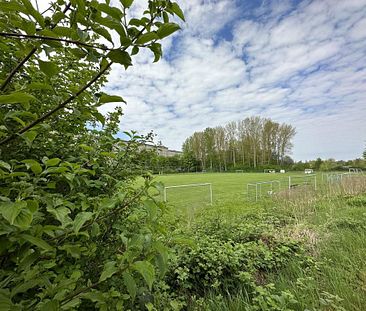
pixel 226 187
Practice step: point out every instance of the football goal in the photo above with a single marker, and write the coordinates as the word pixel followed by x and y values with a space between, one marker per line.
pixel 262 189
pixel 308 180
pixel 188 194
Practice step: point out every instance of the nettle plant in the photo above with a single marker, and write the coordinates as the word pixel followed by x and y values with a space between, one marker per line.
pixel 75 231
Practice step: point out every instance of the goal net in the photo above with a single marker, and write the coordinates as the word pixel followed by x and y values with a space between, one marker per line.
pixel 190 195
pixel 259 190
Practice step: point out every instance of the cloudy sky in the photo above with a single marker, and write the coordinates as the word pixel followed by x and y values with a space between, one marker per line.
pixel 299 62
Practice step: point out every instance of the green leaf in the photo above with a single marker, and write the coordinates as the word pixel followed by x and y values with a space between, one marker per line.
pixel 167 29
pixel 32 205
pixel 147 37
pixel 177 11
pixel 33 165
pixel 109 269
pixel 61 214
pixel 80 220
pixel 105 98
pixel 126 3
pixel 52 162
pixel 32 11
pixel 111 11
pixel 156 49
pixel 5 301
pixel 135 50
pixel 51 305
pixel 39 86
pixel 37 241
pixel 121 57
pixel 130 284
pixel 16 98
pixel 29 137
pixel 5 165
pixel 48 68
pixel 103 32
pixel 11 210
pixel 146 269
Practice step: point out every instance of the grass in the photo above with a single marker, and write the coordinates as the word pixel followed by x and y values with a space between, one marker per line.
pixel 330 225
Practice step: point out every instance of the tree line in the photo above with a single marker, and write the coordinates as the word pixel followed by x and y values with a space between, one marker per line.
pixel 249 143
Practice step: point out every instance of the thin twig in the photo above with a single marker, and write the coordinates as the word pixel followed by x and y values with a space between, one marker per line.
pixel 57 108
pixel 72 97
pixel 26 58
pixel 24 36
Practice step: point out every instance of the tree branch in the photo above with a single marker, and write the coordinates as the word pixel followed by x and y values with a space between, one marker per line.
pixel 25 36
pixel 57 108
pixel 72 97
pixel 26 58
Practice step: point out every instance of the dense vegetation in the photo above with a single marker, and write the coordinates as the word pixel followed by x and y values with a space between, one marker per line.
pixel 81 227
pixel 188 163
pixel 298 251
pixel 75 232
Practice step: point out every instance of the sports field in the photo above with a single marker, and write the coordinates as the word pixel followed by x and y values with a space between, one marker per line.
pixel 226 187
pixel 307 247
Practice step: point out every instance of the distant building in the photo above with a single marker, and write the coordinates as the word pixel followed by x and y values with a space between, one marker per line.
pixel 161 150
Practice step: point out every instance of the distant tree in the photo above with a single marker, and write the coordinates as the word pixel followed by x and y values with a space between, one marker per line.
pixel 328 165
pixel 250 143
pixel 318 162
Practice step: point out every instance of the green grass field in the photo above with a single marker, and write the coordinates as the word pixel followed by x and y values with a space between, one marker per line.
pixel 226 187
pixel 326 271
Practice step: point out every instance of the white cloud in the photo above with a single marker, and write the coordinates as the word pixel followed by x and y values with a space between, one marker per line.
pixel 304 65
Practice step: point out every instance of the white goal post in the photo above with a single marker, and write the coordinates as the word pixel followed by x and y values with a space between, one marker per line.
pixel 273 186
pixel 189 185
pixel 307 179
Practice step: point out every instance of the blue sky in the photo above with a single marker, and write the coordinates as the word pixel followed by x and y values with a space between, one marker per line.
pixel 299 62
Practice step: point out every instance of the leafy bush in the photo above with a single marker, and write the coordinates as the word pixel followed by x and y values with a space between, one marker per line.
pixel 76 232
pixel 237 255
